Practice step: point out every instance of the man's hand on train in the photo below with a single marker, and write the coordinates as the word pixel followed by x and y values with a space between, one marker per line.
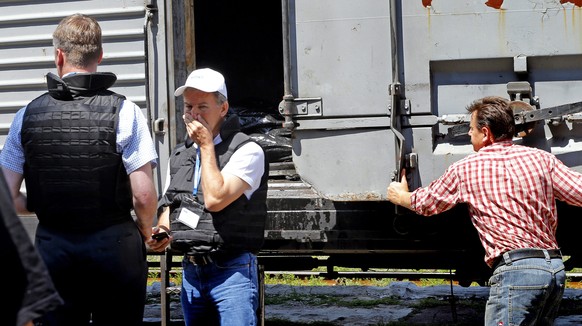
pixel 398 193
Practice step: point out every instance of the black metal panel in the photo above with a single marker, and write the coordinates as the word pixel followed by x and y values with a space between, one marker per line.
pixel 369 235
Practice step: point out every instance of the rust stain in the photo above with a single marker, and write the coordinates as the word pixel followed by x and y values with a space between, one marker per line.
pixel 494 3
pixel 426 3
pixel 367 196
pixel 577 3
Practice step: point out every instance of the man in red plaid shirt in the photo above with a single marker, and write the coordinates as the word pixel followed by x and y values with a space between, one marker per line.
pixel 511 192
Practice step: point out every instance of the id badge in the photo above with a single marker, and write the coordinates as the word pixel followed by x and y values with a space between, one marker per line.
pixel 188 217
pixel 190 213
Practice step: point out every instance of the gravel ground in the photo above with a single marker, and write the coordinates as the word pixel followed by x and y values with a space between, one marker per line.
pixel 400 303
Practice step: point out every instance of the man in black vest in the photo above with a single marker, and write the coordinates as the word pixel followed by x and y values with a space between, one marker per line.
pixel 87 157
pixel 215 205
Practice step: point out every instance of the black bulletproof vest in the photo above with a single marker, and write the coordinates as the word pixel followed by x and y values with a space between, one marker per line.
pixel 238 227
pixel 75 179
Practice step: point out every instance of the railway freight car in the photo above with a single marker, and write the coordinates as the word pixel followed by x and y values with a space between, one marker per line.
pixel 376 86
pixel 342 94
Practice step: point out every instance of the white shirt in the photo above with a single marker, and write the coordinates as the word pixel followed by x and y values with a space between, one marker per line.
pixel 246 163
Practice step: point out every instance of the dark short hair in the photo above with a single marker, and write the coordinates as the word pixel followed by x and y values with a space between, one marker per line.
pixel 494 112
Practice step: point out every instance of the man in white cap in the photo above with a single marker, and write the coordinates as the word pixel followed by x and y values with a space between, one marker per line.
pixel 215 205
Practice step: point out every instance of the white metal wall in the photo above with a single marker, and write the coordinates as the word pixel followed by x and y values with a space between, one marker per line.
pixel 458 51
pixel 450 53
pixel 27 54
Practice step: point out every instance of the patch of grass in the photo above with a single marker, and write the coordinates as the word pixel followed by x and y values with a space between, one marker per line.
pixel 432 282
pixel 290 279
pixel 389 301
pixel 154 269
pixel 438 302
pixel 281 299
pixel 430 303
pixel 175 278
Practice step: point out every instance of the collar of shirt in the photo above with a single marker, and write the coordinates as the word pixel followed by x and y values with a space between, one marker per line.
pixel 69 74
pixel 497 145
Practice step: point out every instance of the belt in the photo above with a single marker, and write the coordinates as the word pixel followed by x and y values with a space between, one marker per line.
pixel 209 258
pixel 200 260
pixel 520 254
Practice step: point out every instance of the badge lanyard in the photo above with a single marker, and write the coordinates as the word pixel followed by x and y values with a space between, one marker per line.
pixel 197 172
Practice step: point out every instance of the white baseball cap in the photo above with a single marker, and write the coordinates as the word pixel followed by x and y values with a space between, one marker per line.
pixel 206 80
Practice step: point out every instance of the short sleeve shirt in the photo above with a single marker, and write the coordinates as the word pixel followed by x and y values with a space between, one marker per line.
pixel 134 141
pixel 247 163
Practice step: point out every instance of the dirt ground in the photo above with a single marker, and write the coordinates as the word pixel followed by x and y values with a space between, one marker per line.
pixel 400 303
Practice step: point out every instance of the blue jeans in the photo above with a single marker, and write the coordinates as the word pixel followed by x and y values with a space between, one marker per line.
pixel 526 292
pixel 224 292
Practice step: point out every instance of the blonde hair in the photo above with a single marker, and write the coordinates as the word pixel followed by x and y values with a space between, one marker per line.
pixel 79 37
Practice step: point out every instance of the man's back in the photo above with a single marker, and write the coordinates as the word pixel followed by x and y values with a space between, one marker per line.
pixel 87 156
pixel 510 190
pixel 75 176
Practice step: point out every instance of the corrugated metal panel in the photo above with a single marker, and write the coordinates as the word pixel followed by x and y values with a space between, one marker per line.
pixel 27 55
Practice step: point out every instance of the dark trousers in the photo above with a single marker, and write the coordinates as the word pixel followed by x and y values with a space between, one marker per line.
pixel 100 275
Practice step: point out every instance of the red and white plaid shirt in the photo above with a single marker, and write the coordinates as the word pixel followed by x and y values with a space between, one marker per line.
pixel 511 191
